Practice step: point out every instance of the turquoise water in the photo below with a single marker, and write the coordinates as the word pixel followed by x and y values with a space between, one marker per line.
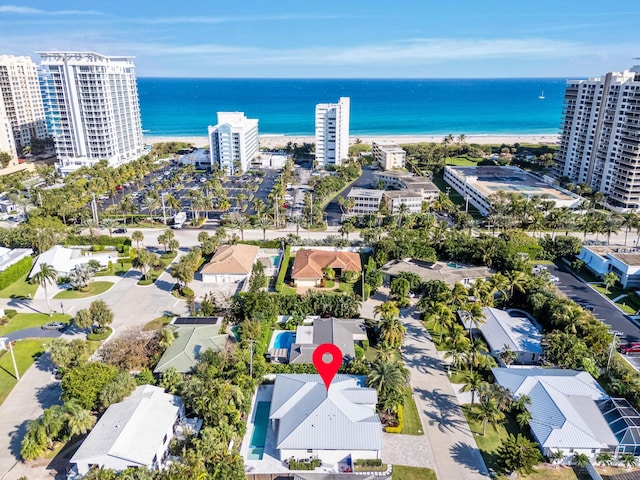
pixel 284 340
pixel 186 106
pixel 261 424
pixel 276 260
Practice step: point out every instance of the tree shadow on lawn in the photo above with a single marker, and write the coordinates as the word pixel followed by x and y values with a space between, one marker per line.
pixel 446 413
pixel 470 456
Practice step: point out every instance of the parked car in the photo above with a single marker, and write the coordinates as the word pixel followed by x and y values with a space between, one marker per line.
pixel 120 230
pixel 54 326
pixel 633 347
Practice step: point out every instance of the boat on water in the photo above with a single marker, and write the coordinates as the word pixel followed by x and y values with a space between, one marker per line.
pixel 541 96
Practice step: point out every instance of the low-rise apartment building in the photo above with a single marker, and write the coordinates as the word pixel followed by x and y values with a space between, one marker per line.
pixel 389 155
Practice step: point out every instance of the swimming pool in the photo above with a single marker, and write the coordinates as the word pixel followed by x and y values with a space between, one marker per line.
pixel 283 339
pixel 275 259
pixel 260 426
pixel 453 265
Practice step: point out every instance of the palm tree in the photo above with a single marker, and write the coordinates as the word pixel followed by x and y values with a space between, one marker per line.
pixel 610 279
pixel 392 331
pixel 388 309
pixel 80 420
pixel 46 276
pixel 473 382
pixel 137 236
pixel 240 223
pixel 264 223
pixel 580 459
pixel 442 318
pixel 109 224
pixel 604 459
pixel 487 412
pixel 628 460
pixel 556 457
pixel 387 377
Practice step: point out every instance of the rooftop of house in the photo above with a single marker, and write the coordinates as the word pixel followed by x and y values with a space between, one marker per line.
pixel 133 429
pixel 365 193
pixel 232 260
pixel 628 255
pixel 309 263
pixel 310 417
pixel 342 332
pixel 564 409
pixel 190 342
pixel 449 273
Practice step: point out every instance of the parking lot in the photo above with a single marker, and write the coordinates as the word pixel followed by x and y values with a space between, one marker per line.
pixel 601 307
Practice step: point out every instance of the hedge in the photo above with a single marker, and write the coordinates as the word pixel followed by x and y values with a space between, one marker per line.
pixel 10 312
pixel 101 240
pixel 284 265
pixel 15 272
pixel 369 462
pixel 262 244
pixel 312 465
pixel 397 429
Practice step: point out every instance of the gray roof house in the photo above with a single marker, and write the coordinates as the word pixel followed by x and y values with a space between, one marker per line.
pixel 336 426
pixel 450 273
pixel 342 332
pixel 511 329
pixel 133 433
pixel 565 409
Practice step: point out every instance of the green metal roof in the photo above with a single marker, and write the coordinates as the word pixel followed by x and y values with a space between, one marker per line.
pixel 190 341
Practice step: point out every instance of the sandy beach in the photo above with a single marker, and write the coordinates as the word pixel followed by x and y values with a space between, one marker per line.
pixel 272 141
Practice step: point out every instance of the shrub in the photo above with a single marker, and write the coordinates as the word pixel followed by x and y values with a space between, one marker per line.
pixel 10 312
pixel 283 269
pixel 15 271
pixel 369 462
pixel 101 240
pixel 148 281
pixel 398 428
pixel 365 345
pixel 359 351
pixel 186 292
pixel 299 465
pixel 97 248
pixel 99 335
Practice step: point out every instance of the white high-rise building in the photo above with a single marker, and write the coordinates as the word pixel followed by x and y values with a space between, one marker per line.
pixel 233 141
pixel 92 103
pixel 332 132
pixel 7 144
pixel 20 94
pixel 600 137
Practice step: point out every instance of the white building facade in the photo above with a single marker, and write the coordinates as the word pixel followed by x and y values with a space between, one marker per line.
pixel 20 94
pixel 599 142
pixel 411 200
pixel 332 132
pixel 367 201
pixel 93 108
pixel 389 155
pixel 233 142
pixel 7 143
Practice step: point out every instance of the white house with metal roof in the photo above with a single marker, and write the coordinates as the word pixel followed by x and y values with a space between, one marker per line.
pixel 133 433
pixel 565 412
pixel 510 329
pixel 336 426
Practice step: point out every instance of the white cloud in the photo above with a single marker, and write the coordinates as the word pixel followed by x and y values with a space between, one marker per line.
pixel 37 11
pixel 217 20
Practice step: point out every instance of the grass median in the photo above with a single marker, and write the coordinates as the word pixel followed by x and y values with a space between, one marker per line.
pixel 26 352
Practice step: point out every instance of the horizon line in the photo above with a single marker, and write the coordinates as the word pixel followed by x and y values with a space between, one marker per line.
pixel 362 78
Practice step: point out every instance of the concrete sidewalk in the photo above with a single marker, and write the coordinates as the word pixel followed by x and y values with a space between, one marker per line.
pixel 454 449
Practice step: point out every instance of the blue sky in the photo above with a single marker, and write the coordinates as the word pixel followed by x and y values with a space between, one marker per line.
pixel 336 38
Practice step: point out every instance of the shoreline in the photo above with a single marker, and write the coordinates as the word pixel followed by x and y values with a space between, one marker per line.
pixel 280 140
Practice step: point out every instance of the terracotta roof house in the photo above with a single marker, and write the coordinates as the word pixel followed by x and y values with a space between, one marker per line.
pixel 308 265
pixel 230 263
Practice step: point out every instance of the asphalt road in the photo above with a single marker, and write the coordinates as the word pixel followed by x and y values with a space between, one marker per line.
pixel 603 309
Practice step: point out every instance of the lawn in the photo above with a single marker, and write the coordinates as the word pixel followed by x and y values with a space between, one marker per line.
pixel 157 323
pixel 489 443
pixel 287 290
pixel 435 335
pixel 26 351
pixel 31 320
pixel 412 424
pixel 95 288
pixel 19 289
pixel 400 472
pixel 119 268
pixel 629 304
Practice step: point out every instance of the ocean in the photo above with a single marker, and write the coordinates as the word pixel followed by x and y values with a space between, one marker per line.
pixel 186 106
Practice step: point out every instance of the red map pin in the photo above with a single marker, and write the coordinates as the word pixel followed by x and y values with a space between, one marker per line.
pixel 327 359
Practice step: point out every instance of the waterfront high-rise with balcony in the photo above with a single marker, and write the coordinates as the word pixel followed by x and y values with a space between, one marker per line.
pixel 600 137
pixel 22 103
pixel 92 107
pixel 332 132
pixel 233 142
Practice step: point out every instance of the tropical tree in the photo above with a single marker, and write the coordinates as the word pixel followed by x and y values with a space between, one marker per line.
pixel 264 223
pixel 240 223
pixel 101 314
pixel 610 279
pixel 443 318
pixel 46 276
pixel 556 457
pixel 389 378
pixel 604 459
pixel 628 460
pixel 137 236
pixel 473 382
pixel 165 238
pixel 580 459
pixel 487 411
pixel 392 331
pixel 518 454
pixel 387 309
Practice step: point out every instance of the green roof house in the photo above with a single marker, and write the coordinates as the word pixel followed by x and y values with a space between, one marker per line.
pixel 191 341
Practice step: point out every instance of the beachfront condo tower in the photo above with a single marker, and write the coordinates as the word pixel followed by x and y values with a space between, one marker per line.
pixel 600 137
pixel 7 144
pixel 20 94
pixel 332 132
pixel 233 142
pixel 93 108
